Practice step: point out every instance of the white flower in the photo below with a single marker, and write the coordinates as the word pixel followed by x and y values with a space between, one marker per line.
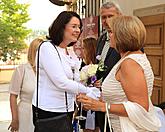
pixel 98 57
pixel 87 72
pixel 83 76
pixel 92 70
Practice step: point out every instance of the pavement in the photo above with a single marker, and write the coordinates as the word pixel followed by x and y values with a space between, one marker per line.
pixel 5 114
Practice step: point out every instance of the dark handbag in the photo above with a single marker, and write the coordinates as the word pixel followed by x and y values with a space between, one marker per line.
pixel 61 123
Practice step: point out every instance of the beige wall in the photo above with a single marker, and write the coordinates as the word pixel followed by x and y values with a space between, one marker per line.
pixel 5 75
pixel 128 6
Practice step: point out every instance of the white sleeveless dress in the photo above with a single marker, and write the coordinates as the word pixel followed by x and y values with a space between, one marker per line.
pixel 112 90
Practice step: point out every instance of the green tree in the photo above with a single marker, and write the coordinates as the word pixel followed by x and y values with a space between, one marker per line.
pixel 13 17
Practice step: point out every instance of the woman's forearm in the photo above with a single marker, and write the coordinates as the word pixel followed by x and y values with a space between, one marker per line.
pixel 98 105
pixel 118 109
pixel 13 106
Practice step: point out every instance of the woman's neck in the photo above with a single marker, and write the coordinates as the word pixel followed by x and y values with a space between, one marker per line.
pixel 63 45
pixel 123 54
pixel 130 52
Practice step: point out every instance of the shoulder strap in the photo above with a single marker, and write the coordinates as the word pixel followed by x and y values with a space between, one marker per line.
pixel 36 110
pixel 23 75
pixel 66 100
pixel 56 50
pixel 38 77
pixel 107 117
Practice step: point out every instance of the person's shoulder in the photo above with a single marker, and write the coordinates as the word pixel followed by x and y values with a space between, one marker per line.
pixel 46 43
pixel 133 64
pixel 24 65
pixel 21 67
pixel 27 65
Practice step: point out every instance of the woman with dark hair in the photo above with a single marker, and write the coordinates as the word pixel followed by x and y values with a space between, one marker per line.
pixel 56 30
pixel 58 72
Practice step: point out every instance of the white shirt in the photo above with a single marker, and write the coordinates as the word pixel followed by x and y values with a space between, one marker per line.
pixel 56 77
pixel 105 48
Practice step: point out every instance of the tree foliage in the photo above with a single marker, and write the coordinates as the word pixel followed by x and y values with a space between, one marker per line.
pixel 13 17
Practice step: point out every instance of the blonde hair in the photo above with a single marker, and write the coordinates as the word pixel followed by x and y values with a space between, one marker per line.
pixel 32 51
pixel 89 46
pixel 129 33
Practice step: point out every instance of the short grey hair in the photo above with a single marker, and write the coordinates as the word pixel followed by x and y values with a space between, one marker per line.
pixel 110 4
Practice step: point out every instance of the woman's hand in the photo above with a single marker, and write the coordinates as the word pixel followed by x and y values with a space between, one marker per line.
pixel 14 125
pixel 91 104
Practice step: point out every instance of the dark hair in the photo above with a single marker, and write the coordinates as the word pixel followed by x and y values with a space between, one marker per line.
pixel 56 30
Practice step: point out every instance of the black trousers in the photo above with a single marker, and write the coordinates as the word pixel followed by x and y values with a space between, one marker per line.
pixel 42 114
pixel 100 120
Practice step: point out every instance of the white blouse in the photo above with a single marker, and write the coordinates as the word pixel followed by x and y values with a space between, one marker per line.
pixel 23 82
pixel 55 77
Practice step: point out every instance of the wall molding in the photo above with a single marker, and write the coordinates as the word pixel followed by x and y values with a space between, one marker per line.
pixel 148 11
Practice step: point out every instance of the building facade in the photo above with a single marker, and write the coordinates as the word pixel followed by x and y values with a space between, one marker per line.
pixel 152 14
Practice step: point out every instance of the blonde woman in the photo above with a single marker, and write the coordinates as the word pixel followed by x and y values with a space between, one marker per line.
pixel 22 84
pixel 128 87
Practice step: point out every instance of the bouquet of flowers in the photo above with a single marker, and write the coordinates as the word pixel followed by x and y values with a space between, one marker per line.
pixel 88 74
pixel 92 72
pixel 100 70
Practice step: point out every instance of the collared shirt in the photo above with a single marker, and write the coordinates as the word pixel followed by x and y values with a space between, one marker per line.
pixel 105 48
